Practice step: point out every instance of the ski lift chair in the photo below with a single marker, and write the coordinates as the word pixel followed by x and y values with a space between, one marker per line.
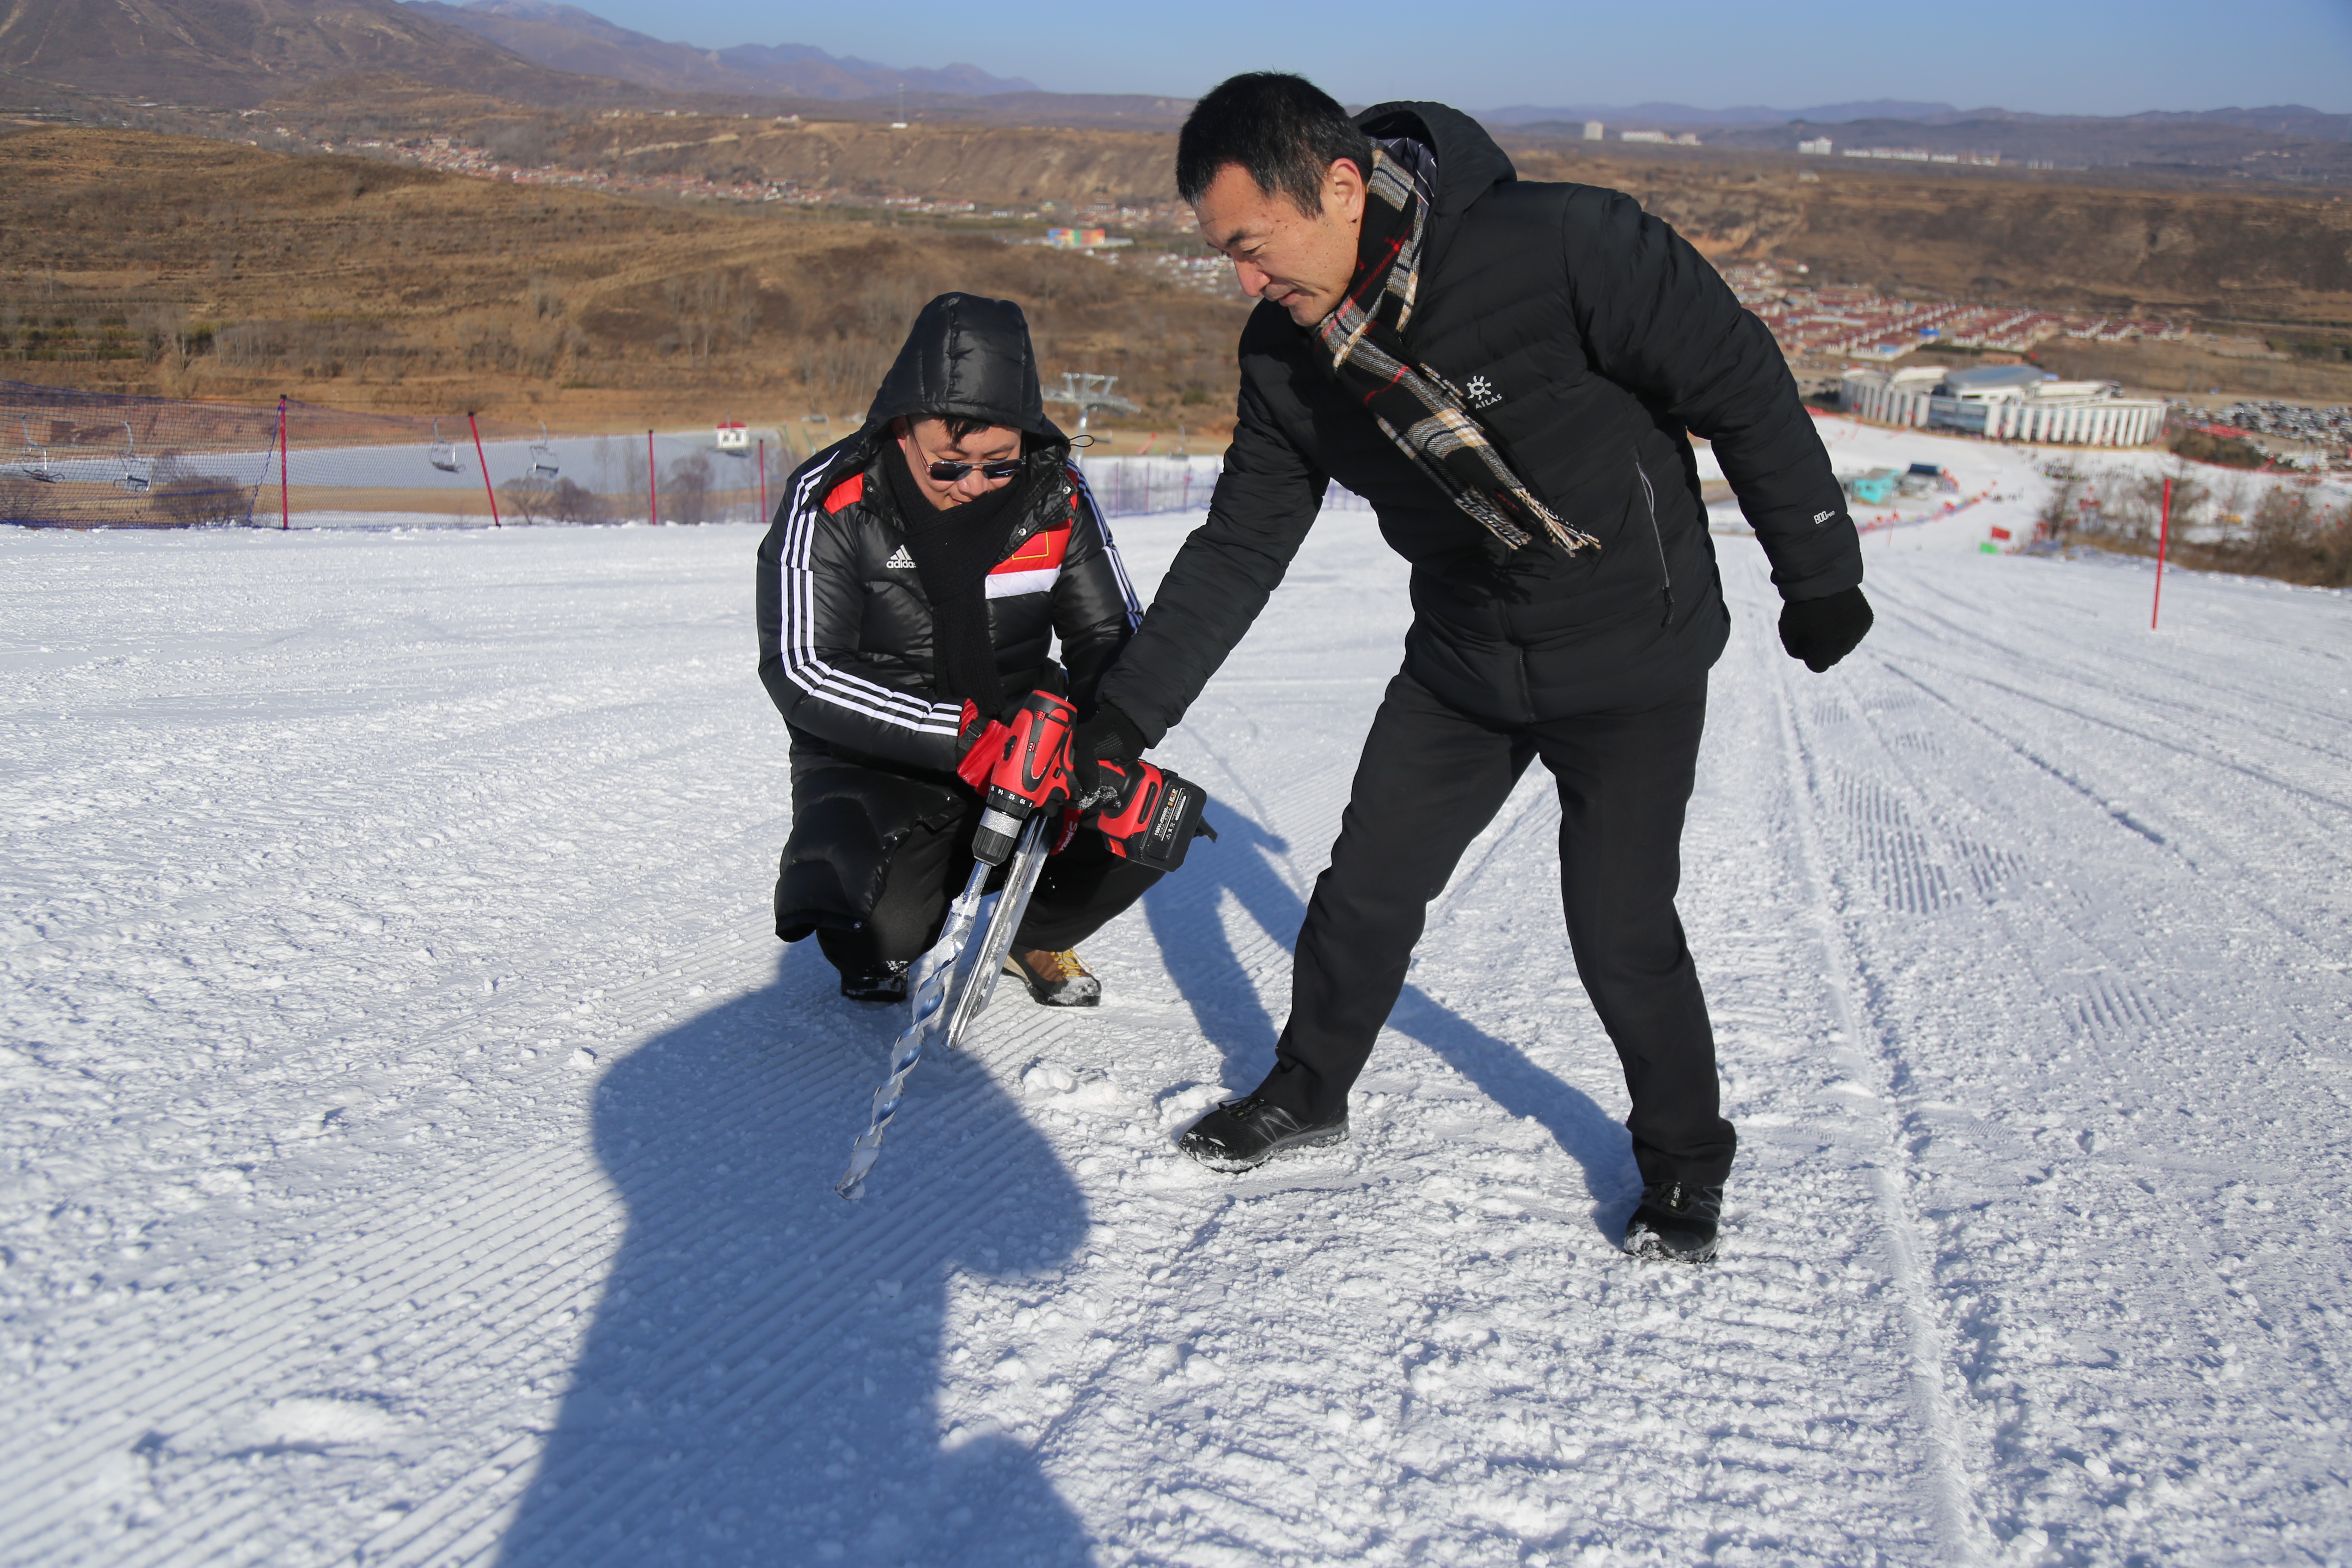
pixel 138 474
pixel 442 455
pixel 543 456
pixel 33 464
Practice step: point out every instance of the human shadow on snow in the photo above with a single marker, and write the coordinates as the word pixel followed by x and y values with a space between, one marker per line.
pixel 759 1386
pixel 1183 912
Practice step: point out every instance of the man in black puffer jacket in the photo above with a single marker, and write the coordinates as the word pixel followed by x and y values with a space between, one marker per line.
pixel 1509 372
pixel 910 587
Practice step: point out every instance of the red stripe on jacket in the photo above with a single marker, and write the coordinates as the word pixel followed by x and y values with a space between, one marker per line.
pixel 849 492
pixel 1041 551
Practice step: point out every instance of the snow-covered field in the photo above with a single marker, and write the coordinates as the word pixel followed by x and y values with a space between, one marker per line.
pixel 418 1148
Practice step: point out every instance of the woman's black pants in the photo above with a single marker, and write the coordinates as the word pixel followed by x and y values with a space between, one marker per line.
pixel 1079 891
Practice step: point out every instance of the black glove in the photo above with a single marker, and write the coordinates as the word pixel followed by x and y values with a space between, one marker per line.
pixel 1109 735
pixel 1823 631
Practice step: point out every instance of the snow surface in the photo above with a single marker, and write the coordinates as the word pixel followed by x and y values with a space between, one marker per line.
pixel 419 1149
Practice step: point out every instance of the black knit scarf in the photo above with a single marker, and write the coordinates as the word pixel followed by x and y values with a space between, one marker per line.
pixel 1419 409
pixel 954 551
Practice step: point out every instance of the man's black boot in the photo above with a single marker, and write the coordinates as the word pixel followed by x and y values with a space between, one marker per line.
pixel 883 983
pixel 1249 1131
pixel 1676 1219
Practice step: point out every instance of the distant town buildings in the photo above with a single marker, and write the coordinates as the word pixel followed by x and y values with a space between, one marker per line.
pixel 2006 402
pixel 1643 136
pixel 1921 156
pixel 451 157
pixel 1818 147
pixel 1593 130
pixel 1208 274
pixel 1862 323
pixel 2291 421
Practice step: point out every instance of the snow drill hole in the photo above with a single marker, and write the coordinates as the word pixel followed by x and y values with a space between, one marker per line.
pixel 1045 1080
pixel 321 1421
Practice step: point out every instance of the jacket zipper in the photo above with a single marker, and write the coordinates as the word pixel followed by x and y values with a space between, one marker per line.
pixel 1665 573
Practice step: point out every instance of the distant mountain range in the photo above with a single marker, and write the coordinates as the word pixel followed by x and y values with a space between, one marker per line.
pixel 239 53
pixel 566 38
pixel 2281 120
pixel 70 56
pixel 233 53
pixel 1684 116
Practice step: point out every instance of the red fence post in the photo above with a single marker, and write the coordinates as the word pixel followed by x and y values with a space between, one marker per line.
pixel 653 484
pixel 763 480
pixel 285 509
pixel 478 458
pixel 2163 534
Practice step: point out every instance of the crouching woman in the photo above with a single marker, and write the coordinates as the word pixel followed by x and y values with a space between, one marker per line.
pixel 911 587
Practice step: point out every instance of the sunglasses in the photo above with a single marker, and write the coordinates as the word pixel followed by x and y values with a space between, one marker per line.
pixel 953 473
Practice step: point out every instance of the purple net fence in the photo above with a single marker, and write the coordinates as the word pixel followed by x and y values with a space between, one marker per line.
pixel 78 459
pixel 1138 487
pixel 82 459
pixel 85 459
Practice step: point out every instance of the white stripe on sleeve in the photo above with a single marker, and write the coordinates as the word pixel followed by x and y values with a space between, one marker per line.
pixel 803 666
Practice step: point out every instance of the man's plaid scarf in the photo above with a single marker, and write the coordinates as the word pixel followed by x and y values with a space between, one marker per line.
pixel 1418 408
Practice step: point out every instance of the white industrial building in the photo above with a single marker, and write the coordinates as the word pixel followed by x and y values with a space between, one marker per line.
pixel 2006 402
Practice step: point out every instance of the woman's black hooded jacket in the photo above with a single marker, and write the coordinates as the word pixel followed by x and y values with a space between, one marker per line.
pixel 845 632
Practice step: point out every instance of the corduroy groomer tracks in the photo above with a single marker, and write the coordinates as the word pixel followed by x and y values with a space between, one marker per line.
pixel 1419 409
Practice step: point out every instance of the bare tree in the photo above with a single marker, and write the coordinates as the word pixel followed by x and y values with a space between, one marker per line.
pixel 2060 508
pixel 686 490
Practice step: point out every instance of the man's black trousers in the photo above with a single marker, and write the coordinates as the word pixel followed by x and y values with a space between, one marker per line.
pixel 1430 779
pixel 1079 891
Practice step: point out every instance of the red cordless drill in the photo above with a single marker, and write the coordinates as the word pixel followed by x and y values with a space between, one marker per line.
pixel 1155 816
pixel 1027 770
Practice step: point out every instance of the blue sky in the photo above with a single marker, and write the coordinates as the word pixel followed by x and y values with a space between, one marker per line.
pixel 2051 57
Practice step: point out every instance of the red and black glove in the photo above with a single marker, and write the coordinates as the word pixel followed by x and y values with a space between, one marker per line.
pixel 982 740
pixel 1028 771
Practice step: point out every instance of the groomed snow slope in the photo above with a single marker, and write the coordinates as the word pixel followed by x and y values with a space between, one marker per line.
pixel 418 1148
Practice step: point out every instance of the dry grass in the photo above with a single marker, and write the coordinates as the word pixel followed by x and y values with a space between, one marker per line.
pixel 2051 240
pixel 192 268
pixel 201 268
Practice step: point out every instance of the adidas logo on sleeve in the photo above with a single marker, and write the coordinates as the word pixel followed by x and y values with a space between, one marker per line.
pixel 899 561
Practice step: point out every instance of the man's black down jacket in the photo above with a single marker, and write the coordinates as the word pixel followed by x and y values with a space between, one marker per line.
pixel 1590 339
pixel 846 653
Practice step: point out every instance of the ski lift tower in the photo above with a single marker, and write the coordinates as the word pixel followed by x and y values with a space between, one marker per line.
pixel 1088 393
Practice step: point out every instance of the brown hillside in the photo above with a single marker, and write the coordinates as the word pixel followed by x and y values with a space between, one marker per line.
pixel 988 165
pixel 193 268
pixel 2004 236
pixel 241 51
pixel 2001 238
